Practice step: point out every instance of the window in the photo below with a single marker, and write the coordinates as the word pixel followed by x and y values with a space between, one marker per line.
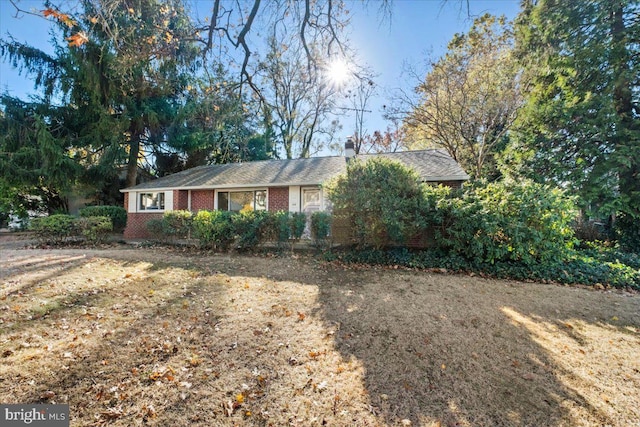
pixel 236 201
pixel 151 201
pixel 311 200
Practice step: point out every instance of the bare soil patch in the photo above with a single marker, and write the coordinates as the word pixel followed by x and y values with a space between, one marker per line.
pixel 153 336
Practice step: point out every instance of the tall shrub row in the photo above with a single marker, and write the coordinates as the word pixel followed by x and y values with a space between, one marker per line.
pixel 386 206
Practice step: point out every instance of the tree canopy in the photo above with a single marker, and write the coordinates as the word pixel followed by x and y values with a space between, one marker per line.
pixel 469 97
pixel 580 127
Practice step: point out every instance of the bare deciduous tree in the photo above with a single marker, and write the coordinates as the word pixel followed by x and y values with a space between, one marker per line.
pixel 469 98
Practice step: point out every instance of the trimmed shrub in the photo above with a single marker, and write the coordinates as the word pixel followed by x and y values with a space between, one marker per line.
pixel 297 225
pixel 155 227
pixel 214 229
pixel 55 229
pixel 252 228
pixel 94 229
pixel 379 198
pixel 320 228
pixel 177 224
pixel 278 229
pixel 118 215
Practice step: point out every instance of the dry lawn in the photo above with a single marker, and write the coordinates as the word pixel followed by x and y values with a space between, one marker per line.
pixel 132 336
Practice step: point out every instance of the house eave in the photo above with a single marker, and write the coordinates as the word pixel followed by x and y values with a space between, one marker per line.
pixel 220 187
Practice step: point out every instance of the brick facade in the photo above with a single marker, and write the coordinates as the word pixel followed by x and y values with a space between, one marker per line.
pixel 201 199
pixel 278 199
pixel 137 224
pixel 180 200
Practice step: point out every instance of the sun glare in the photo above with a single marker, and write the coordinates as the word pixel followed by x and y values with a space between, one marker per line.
pixel 338 72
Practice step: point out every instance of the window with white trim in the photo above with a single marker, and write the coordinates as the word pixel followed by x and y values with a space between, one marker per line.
pixel 237 201
pixel 151 201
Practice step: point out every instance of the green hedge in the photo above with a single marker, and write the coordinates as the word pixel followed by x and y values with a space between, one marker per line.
pixel 379 199
pixel 214 229
pixel 60 228
pixel 118 215
pixel 54 229
pixel 95 229
pixel 321 228
pixel 221 230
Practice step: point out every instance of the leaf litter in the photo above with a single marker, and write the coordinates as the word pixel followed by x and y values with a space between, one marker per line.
pixel 155 337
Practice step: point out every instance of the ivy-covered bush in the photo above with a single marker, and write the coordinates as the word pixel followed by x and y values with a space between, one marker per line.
pixel 54 229
pixel 214 229
pixel 379 198
pixel 320 228
pixel 118 215
pixel 94 229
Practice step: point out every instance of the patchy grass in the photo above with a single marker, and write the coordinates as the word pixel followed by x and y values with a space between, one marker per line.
pixel 153 337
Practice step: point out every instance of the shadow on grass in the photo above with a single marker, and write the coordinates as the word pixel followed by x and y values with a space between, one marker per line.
pixel 436 349
pixel 459 351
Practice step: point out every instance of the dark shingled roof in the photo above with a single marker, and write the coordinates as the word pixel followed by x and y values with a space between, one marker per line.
pixel 432 165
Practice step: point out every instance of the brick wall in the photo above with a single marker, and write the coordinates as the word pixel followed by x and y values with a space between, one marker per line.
pixel 137 224
pixel 180 200
pixel 201 199
pixel 278 199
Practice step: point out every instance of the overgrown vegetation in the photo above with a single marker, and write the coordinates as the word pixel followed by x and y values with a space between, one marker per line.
pixel 508 229
pixel 321 229
pixel 521 230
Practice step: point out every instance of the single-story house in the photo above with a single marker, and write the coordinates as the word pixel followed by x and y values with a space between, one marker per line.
pixel 292 185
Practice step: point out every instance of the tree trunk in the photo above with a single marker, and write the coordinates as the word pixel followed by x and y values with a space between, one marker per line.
pixel 132 162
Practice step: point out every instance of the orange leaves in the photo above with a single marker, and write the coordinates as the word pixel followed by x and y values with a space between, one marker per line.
pixel 78 39
pixel 62 17
pixel 75 40
pixel 315 354
pixel 167 374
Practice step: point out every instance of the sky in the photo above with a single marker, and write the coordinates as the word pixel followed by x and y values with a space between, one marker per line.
pixel 417 28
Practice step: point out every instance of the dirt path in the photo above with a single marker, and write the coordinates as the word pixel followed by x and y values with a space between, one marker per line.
pixel 154 336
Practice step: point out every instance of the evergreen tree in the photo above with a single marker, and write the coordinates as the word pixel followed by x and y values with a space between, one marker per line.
pixel 580 127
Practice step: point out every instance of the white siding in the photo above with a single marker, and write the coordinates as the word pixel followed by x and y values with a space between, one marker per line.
pixel 133 201
pixel 294 198
pixel 168 201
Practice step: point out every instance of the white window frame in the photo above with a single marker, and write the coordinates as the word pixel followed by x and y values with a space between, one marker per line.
pixel 161 197
pixel 135 201
pixel 242 190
